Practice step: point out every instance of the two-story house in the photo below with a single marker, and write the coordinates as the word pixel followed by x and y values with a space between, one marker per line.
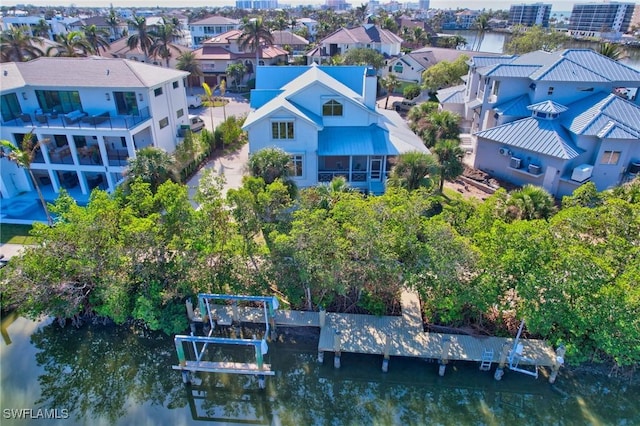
pixel 326 118
pixel 94 114
pixel 553 119
pixel 207 28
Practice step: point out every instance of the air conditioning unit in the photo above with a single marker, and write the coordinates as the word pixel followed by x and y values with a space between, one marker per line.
pixel 535 169
pixel 504 151
pixel 515 163
pixel 582 172
pixel 634 167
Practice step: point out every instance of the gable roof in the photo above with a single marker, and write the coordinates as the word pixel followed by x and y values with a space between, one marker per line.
pixel 516 107
pixel 287 37
pixel 363 34
pixel 453 94
pixel 216 20
pixel 548 106
pixel 546 137
pixel 605 116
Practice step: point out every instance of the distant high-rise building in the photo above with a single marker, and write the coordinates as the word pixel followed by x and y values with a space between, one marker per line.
pixel 337 4
pixel 257 4
pixel 596 19
pixel 530 14
pixel 423 4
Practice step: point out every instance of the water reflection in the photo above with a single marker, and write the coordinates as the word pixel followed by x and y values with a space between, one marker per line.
pixel 108 375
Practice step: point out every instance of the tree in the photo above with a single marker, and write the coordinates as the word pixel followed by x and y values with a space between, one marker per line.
pixel 41 29
pixel 162 45
pixel 528 203
pixel 270 164
pixel 113 21
pixel 413 170
pixel 23 157
pixel 361 12
pixel 444 74
pixel 534 38
pixel 209 101
pixel 482 26
pixel 237 72
pixel 389 83
pixel 18 45
pixel 450 158
pixel 142 39
pixel 436 126
pixel 363 56
pixel 411 91
pixel 189 63
pixel 72 45
pixel 610 50
pixel 97 38
pixel 254 35
pixel 223 91
pixel 153 166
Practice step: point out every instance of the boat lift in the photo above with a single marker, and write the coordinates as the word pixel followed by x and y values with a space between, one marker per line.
pixel 515 356
pixel 259 368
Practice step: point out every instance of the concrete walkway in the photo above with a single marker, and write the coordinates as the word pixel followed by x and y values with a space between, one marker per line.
pixel 10 250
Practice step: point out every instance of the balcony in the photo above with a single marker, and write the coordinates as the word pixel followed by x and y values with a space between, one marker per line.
pixel 98 120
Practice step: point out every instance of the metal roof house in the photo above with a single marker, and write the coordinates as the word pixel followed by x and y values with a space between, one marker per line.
pixel 327 120
pixel 553 119
pixel 94 112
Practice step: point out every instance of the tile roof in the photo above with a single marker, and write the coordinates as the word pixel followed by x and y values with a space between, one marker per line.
pixel 546 137
pixel 453 95
pixel 363 34
pixel 287 37
pixel 10 76
pixel 604 115
pixel 94 71
pixel 516 107
pixel 216 20
pixel 548 106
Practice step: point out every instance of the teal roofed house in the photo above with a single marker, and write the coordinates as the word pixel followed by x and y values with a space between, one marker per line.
pixel 553 119
pixel 326 118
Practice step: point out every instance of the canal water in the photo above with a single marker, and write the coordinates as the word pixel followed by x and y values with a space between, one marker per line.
pixel 108 375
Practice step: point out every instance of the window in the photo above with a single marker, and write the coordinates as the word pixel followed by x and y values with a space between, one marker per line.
pixel 164 122
pixel 80 141
pixel 282 130
pixel 157 92
pixel 126 103
pixel 550 91
pixel 10 107
pixel 496 87
pixel 295 165
pixel 610 157
pixel 176 84
pixel 180 113
pixel 61 101
pixel 332 108
pixel 398 68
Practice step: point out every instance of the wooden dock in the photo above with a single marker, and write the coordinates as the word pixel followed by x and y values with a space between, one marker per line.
pixel 401 336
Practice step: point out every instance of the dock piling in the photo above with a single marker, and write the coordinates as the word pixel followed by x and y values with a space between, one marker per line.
pixel 503 361
pixel 558 362
pixel 444 356
pixel 387 348
pixel 336 349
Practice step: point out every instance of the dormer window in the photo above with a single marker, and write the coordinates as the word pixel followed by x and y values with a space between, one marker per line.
pixel 332 108
pixel 550 91
pixel 398 68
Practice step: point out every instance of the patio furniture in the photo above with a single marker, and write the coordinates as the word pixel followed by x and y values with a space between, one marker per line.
pixel 74 116
pixel 42 119
pixel 96 119
pixel 26 118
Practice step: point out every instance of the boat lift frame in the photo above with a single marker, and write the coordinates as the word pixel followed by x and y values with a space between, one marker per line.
pixel 515 356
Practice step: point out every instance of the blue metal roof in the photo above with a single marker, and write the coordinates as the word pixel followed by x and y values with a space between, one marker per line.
pixel 603 115
pixel 486 61
pixel 548 106
pixel 508 70
pixel 545 137
pixel 517 107
pixel 453 94
pixel 369 140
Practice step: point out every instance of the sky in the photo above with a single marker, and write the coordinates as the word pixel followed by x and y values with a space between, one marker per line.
pixel 558 5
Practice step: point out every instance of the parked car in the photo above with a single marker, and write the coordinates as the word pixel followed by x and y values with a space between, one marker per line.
pixel 403 106
pixel 195 123
pixel 194 101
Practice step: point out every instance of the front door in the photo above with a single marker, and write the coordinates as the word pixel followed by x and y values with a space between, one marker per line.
pixel 375 165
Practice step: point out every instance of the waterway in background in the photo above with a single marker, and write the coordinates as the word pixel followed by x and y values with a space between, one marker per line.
pixel 494 43
pixel 109 375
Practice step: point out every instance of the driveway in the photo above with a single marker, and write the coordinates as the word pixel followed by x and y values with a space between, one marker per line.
pixel 232 165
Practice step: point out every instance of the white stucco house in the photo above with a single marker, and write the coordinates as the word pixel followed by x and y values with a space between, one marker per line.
pixel 552 119
pixel 94 112
pixel 327 120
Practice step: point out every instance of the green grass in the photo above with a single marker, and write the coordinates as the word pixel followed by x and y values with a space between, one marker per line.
pixel 15 234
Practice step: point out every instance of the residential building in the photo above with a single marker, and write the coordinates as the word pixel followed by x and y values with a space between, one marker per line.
pixel 408 68
pixel 368 36
pixel 292 41
pixel 120 49
pixel 257 4
pixel 100 23
pixel 210 27
pixel 326 118
pixel 57 24
pixel 217 53
pixel 311 24
pixel 94 112
pixel 606 20
pixel 553 119
pixel 530 15
pixel 466 19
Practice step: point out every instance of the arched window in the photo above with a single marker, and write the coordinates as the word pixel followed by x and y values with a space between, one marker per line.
pixel 332 108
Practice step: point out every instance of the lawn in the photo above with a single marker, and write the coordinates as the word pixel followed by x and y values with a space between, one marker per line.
pixel 15 234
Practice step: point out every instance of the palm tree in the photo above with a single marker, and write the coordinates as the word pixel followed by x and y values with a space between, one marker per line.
pixel 528 203
pixel 389 83
pixel 209 101
pixel 163 38
pixel 72 45
pixel 610 50
pixel 254 35
pixel 114 23
pixel 237 72
pixel 189 63
pixel 142 39
pixel 96 37
pixel 419 36
pixel 450 158
pixel 413 170
pixel 361 12
pixel 438 125
pixel 152 165
pixel 482 26
pixel 23 157
pixel 223 90
pixel 16 45
pixel 41 29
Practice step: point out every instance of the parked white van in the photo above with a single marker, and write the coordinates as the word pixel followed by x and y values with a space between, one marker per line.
pixel 195 123
pixel 194 101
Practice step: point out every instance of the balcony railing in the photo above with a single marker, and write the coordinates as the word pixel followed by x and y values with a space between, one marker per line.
pixel 96 121
pixel 353 176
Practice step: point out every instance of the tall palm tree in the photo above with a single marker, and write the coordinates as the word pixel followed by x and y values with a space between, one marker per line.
pixel 72 45
pixel 96 37
pixel 237 72
pixel 413 170
pixel 17 45
pixel 209 101
pixel 189 63
pixel 41 29
pixel 163 38
pixel 23 157
pixel 142 39
pixel 438 125
pixel 482 26
pixel 450 158
pixel 389 83
pixel 113 21
pixel 254 35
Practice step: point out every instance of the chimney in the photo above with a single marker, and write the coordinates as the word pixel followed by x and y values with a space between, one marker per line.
pixel 370 88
